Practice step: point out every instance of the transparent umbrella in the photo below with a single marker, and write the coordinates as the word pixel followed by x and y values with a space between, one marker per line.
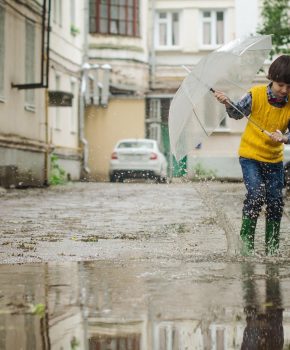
pixel 194 112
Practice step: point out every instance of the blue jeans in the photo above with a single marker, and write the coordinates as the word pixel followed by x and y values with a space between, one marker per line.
pixel 264 184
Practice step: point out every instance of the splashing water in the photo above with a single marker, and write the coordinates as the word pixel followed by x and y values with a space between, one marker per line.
pixel 223 221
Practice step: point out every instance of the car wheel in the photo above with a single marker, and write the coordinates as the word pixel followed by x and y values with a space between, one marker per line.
pixel 163 180
pixel 120 178
pixel 112 178
pixel 160 179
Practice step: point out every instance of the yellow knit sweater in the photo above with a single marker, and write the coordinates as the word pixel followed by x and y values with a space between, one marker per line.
pixel 254 143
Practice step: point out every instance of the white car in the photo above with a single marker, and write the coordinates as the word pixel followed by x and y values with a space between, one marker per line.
pixel 137 158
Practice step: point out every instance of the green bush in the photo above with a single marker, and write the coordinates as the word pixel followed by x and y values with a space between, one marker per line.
pixel 57 174
pixel 202 173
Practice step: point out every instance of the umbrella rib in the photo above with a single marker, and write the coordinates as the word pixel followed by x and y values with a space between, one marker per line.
pixel 200 123
pixel 223 67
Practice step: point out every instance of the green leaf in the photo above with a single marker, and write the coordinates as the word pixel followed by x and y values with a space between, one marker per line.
pixel 38 309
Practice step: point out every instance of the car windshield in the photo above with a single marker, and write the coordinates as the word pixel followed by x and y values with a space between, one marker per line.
pixel 136 144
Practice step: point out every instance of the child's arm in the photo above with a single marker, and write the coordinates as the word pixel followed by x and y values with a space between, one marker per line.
pixel 244 105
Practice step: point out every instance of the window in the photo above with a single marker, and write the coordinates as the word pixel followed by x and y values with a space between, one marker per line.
pixel 118 17
pixel 167 335
pixel 167 29
pixel 57 11
pixel 29 63
pixel 57 124
pixel 154 119
pixel 73 125
pixel 2 50
pixel 72 12
pixel 224 124
pixel 213 31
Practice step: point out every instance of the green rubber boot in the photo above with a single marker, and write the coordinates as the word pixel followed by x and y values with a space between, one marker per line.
pixel 247 235
pixel 272 235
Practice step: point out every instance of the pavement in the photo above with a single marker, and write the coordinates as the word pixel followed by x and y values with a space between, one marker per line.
pixel 100 264
pixel 89 221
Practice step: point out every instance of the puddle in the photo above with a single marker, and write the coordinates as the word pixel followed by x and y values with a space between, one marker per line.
pixel 141 305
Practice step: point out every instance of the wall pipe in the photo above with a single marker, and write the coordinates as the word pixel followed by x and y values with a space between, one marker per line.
pixel 83 88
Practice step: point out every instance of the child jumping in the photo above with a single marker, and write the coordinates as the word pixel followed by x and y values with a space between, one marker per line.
pixel 261 154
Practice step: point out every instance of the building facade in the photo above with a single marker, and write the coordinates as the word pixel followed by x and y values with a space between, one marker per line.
pixel 182 33
pixel 23 145
pixel 41 56
pixel 118 40
pixel 106 71
pixel 67 38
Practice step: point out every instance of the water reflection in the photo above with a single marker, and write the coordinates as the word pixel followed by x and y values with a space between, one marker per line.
pixel 125 342
pixel 264 328
pixel 144 306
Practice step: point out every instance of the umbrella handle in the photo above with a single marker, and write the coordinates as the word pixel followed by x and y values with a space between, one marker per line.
pixel 266 132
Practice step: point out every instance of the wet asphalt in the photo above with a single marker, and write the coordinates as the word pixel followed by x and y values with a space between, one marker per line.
pixel 138 266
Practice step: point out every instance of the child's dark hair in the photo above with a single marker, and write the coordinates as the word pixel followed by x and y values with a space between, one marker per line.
pixel 279 70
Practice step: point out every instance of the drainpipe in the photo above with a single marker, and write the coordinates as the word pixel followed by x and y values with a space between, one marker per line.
pixel 47 141
pixel 84 73
pixel 96 88
pixel 106 84
pixel 152 63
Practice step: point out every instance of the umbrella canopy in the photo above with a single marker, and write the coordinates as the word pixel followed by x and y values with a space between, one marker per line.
pixel 194 112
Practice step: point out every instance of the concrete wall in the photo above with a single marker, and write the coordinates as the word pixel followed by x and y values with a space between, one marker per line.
pixel 247 21
pixel 21 167
pixel 124 118
pixel 22 126
pixel 66 58
pixel 26 131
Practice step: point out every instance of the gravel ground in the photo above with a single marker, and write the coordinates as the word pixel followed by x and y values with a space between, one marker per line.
pixel 196 221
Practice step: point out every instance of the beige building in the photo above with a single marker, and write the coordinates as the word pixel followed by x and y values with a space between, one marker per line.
pixel 23 119
pixel 118 40
pixel 147 67
pixel 40 73
pixel 67 39
pixel 183 32
pixel 122 62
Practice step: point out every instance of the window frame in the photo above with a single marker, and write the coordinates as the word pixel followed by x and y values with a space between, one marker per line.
pixel 73 12
pixel 74 107
pixel 57 115
pixel 169 29
pixel 57 10
pixel 213 28
pixel 30 63
pixel 96 17
pixel 2 53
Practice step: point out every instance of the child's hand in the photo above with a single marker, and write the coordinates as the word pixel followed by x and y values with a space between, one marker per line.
pixel 278 136
pixel 221 97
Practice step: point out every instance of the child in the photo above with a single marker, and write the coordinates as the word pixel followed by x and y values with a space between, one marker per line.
pixel 261 155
